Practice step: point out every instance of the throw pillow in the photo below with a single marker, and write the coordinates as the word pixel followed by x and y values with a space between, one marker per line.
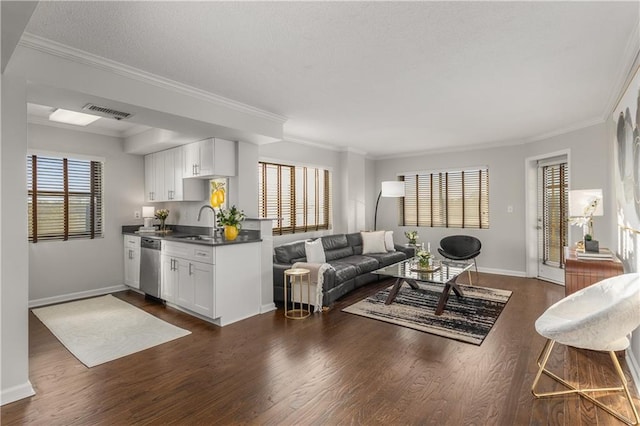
pixel 373 242
pixel 388 241
pixel 314 251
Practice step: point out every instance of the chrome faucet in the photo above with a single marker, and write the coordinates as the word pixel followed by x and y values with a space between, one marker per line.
pixel 215 221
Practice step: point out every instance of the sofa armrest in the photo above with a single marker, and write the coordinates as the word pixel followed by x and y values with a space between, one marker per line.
pixel 278 273
pixel 409 251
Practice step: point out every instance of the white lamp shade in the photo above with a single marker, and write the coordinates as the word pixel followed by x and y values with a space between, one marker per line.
pixel 581 199
pixel 393 188
pixel 148 211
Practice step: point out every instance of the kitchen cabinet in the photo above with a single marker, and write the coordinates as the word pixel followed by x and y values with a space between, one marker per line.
pixel 164 178
pixel 209 158
pixel 188 278
pixel 132 261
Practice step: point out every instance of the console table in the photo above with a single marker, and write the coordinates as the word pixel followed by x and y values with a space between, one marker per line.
pixel 580 273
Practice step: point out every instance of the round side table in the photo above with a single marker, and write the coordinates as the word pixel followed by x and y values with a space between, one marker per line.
pixel 296 278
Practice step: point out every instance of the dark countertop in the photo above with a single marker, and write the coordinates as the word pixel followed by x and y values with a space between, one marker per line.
pixel 178 234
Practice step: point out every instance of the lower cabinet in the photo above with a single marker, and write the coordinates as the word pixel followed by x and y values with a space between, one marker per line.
pixel 187 282
pixel 132 261
pixel 226 290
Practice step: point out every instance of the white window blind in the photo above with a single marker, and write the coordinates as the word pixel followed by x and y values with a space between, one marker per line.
pixel 451 199
pixel 64 199
pixel 298 196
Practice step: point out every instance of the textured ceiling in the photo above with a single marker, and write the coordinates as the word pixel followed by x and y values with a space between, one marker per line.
pixel 380 77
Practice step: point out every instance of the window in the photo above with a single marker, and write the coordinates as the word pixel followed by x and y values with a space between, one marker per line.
pixel 298 196
pixel 553 194
pixel 64 198
pixel 450 199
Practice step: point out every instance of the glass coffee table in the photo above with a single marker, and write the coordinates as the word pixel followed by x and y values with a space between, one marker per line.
pixel 444 272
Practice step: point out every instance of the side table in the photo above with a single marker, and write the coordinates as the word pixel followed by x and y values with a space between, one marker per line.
pixel 296 278
pixel 579 273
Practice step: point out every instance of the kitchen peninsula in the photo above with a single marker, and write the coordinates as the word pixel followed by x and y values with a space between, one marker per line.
pixel 203 275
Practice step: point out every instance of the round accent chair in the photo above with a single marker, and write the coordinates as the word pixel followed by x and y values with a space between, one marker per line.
pixel 599 318
pixel 461 247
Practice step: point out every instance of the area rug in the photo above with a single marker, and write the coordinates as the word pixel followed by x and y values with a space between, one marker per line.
pixel 468 319
pixel 105 328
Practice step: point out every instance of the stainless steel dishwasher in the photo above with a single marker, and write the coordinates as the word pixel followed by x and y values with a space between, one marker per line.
pixel 150 266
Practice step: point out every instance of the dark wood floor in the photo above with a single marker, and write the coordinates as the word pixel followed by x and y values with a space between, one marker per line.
pixel 331 368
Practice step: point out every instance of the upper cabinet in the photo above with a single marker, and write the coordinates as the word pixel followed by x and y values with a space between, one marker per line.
pixel 209 158
pixel 163 178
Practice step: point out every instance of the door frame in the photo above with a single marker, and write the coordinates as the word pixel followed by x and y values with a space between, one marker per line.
pixel 531 208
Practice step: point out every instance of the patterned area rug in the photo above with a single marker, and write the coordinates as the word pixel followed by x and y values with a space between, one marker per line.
pixel 468 319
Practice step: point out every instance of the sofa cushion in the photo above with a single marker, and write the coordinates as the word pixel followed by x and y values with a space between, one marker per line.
pixel 388 241
pixel 332 242
pixel 338 253
pixel 386 259
pixel 287 253
pixel 363 264
pixel 314 251
pixel 355 241
pixel 343 272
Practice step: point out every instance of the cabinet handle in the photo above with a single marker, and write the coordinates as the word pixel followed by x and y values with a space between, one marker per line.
pixel 193 169
pixel 190 265
pixel 173 264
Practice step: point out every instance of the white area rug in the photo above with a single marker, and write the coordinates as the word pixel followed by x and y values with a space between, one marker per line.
pixel 105 328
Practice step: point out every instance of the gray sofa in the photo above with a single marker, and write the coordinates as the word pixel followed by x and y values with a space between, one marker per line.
pixel 351 269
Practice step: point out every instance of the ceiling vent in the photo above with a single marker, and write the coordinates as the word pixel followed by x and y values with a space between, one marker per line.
pixel 106 112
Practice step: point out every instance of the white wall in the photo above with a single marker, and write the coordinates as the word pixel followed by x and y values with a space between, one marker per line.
pixel 58 268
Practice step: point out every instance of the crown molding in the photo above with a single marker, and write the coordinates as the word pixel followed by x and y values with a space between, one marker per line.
pixel 626 70
pixel 41 44
pixel 323 145
pixel 564 130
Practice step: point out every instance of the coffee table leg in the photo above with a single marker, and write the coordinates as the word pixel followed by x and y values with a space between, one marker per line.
pixel 444 297
pixel 394 291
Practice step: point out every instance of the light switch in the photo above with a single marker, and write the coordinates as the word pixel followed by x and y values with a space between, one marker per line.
pixel 509 209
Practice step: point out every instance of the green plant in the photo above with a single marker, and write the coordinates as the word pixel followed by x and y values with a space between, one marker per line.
pixel 588 237
pixel 412 236
pixel 230 217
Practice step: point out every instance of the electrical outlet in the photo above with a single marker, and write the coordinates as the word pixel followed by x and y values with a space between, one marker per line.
pixel 136 214
pixel 509 209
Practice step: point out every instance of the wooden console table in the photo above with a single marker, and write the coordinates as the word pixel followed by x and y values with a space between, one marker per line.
pixel 580 273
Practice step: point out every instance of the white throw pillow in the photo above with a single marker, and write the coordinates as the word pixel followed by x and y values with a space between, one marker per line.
pixel 373 242
pixel 314 251
pixel 388 241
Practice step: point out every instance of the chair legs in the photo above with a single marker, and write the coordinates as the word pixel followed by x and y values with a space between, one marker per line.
pixel 542 362
pixel 469 272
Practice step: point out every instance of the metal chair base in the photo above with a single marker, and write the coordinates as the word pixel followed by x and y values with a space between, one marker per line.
pixel 542 362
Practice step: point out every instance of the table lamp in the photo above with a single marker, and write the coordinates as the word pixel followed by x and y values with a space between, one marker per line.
pixel 148 214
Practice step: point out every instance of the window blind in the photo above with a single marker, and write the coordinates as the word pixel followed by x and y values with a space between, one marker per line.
pixel 451 199
pixel 552 212
pixel 64 199
pixel 298 196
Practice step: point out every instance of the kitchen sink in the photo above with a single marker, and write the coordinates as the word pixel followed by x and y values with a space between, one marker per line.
pixel 197 237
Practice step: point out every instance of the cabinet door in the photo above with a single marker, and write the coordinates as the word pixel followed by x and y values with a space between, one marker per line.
pixel 132 266
pixel 206 165
pixel 224 158
pixel 171 191
pixel 191 154
pixel 158 175
pixel 203 285
pixel 185 292
pixel 169 279
pixel 149 178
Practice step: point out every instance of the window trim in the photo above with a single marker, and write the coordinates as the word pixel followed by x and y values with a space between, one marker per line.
pixel 32 195
pixel 294 228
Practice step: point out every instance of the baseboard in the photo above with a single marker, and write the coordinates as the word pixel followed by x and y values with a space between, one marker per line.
pixel 267 308
pixel 15 393
pixel 503 272
pixel 634 368
pixel 75 296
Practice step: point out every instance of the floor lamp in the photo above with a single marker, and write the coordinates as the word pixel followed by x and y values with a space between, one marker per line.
pixel 391 189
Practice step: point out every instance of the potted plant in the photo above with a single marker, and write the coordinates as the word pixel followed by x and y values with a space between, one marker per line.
pixel 424 259
pixel 412 236
pixel 231 219
pixel 590 244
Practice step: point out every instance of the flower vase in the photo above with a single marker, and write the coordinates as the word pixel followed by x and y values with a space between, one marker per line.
pixel 230 232
pixel 162 226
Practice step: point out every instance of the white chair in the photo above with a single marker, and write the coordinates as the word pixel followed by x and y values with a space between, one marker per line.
pixel 599 318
